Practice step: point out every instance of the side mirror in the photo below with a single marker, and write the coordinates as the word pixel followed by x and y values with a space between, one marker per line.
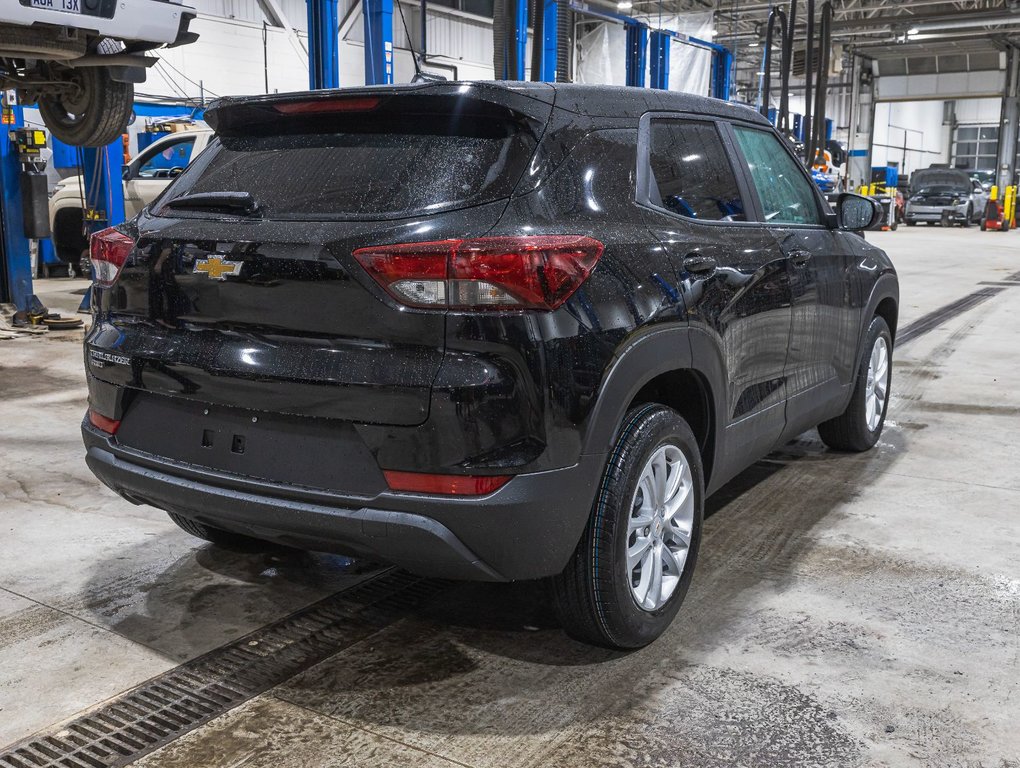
pixel 857 213
pixel 125 172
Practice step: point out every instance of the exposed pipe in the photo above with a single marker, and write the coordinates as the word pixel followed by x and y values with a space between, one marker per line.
pixel 499 63
pixel 564 41
pixel 821 92
pixel 777 15
pixel 809 63
pixel 537 37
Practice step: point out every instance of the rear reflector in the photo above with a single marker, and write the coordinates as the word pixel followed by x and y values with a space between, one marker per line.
pixel 449 485
pixel 109 250
pixel 487 273
pixel 101 422
pixel 321 106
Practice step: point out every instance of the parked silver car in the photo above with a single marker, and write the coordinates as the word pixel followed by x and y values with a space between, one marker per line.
pixel 939 194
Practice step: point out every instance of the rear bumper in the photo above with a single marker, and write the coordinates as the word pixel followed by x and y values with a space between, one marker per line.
pixel 527 529
pixel 151 21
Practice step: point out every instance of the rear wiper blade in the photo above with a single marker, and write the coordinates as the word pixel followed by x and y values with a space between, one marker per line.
pixel 243 203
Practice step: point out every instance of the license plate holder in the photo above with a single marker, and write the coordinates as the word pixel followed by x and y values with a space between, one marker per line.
pixel 64 6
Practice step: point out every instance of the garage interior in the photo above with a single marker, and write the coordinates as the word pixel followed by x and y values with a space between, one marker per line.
pixel 848 609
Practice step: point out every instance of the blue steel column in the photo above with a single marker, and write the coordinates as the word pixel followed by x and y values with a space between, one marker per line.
pixel 549 42
pixel 323 46
pixel 521 37
pixel 637 51
pixel 659 55
pixel 378 41
pixel 722 67
pixel 17 256
pixel 103 180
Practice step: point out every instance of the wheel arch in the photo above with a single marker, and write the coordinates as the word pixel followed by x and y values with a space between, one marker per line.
pixel 658 367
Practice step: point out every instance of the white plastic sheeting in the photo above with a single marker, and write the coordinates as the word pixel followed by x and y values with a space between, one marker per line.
pixel 690 68
pixel 602 56
pixel 602 53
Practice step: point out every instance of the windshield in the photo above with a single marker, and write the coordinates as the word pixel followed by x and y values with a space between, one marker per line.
pixel 360 168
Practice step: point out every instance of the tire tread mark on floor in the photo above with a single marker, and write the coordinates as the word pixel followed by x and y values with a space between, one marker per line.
pixel 934 319
pixel 163 709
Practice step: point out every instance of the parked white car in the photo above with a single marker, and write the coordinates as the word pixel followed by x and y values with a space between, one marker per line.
pixel 79 59
pixel 145 177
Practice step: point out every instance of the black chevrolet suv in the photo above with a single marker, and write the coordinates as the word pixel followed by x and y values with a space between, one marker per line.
pixel 484 331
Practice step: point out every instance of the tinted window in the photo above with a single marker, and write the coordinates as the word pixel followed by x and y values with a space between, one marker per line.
pixel 691 172
pixel 366 168
pixel 787 197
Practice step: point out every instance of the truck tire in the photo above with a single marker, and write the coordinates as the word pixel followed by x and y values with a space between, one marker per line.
pixel 98 113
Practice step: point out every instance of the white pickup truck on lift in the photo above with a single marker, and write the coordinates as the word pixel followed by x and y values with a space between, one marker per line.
pixel 148 174
pixel 79 59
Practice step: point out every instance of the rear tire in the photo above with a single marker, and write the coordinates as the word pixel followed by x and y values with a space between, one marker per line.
pixel 100 110
pixel 605 595
pixel 858 428
pixel 219 537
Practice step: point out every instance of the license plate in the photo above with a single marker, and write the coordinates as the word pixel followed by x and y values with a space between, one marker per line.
pixel 67 6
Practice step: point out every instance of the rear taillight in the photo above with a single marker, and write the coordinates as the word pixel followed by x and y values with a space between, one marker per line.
pixel 533 272
pixel 447 485
pixel 109 250
pixel 101 422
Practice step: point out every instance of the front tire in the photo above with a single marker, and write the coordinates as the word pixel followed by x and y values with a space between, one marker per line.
pixel 969 218
pixel 860 425
pixel 630 573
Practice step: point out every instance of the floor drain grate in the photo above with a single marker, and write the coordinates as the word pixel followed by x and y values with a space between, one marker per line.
pixel 181 699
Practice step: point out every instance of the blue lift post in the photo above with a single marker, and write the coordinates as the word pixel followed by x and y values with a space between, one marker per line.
pixel 659 68
pixel 637 53
pixel 102 178
pixel 17 278
pixel 378 15
pixel 521 37
pixel 323 44
pixel 550 41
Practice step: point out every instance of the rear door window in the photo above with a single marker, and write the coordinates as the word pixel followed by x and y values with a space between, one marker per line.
pixel 786 194
pixel 363 168
pixel 692 173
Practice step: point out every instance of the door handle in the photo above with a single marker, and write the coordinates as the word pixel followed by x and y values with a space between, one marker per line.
pixel 698 263
pixel 800 258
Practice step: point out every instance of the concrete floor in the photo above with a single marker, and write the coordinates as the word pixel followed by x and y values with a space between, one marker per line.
pixel 847 610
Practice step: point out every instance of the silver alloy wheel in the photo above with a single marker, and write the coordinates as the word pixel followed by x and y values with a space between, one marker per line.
pixel 878 383
pixel 660 527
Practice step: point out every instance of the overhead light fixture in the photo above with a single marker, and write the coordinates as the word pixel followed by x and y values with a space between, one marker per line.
pixel 624 5
pixel 710 34
pixel 753 44
pixel 913 31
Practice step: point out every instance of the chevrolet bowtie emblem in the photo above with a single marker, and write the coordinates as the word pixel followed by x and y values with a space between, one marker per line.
pixel 217 267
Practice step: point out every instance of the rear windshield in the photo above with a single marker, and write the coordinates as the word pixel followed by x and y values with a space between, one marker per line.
pixel 351 167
